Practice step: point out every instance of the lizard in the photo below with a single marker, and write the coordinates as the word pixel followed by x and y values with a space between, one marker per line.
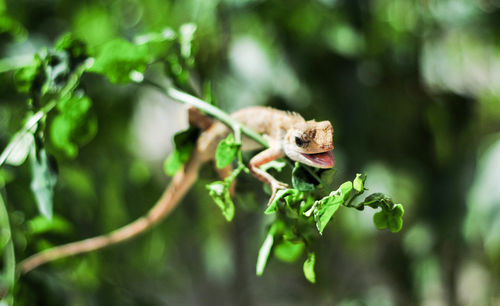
pixel 288 134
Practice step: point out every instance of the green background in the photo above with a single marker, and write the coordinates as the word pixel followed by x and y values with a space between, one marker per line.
pixel 412 89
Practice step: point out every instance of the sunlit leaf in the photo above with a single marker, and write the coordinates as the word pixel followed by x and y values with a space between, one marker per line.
pixel 43 181
pixel 264 252
pixel 274 164
pixel 57 224
pixel 358 183
pixel 226 152
pixel 327 206
pixel 18 149
pixel 309 267
pixel 288 251
pixel 118 58
pixel 186 39
pixel 219 192
pixel 73 125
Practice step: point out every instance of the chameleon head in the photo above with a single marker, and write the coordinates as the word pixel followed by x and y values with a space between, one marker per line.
pixel 310 143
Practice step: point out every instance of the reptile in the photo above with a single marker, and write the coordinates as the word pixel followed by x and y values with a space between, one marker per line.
pixel 288 134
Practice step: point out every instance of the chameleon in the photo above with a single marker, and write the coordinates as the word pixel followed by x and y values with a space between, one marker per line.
pixel 287 133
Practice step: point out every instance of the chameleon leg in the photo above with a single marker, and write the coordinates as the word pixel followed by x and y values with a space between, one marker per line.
pixel 197 118
pixel 262 158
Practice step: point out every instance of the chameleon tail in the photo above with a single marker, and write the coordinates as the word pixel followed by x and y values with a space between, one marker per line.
pixel 181 183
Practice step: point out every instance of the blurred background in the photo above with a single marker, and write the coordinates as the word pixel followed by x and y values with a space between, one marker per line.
pixel 412 89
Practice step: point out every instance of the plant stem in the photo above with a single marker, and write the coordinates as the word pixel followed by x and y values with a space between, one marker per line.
pixel 209 109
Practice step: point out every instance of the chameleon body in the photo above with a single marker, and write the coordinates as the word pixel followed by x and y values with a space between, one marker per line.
pixel 288 134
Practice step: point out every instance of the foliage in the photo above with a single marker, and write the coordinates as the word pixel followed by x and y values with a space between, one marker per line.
pixel 407 110
pixel 124 62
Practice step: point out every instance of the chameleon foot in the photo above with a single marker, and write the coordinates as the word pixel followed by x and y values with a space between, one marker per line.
pixel 275 186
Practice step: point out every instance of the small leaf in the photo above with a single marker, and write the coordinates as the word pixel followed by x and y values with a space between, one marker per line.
pixel 390 218
pixel 273 207
pixel 376 200
pixel 187 31
pixel 301 179
pixel 264 252
pixel 274 164
pixel 18 149
pixel 184 142
pixel 226 152
pixel 30 77
pixel 118 58
pixel 43 181
pixel 288 251
pixel 172 163
pixel 77 49
pixel 73 125
pixel 219 192
pixel 309 267
pixel 359 182
pixel 327 206
pixel 40 225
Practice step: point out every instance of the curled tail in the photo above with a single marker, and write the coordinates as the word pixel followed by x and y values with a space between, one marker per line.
pixel 179 186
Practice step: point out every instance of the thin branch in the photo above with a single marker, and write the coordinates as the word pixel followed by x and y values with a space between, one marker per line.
pixel 209 109
pixel 165 204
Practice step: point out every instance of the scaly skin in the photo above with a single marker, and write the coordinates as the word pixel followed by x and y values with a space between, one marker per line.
pixel 288 134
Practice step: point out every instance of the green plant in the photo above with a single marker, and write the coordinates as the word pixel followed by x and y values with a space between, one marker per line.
pixel 59 120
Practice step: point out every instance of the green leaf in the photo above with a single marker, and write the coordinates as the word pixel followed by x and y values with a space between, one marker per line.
pixel 184 143
pixel 186 36
pixel 274 164
pixel 301 179
pixel 40 225
pixel 376 200
pixel 226 152
pixel 359 182
pixel 21 143
pixel 172 163
pixel 273 207
pixel 31 76
pixel 325 208
pixel 264 252
pixel 18 149
pixel 8 271
pixel 327 177
pixel 77 49
pixel 73 125
pixel 288 251
pixel 118 59
pixel 392 219
pixel 219 192
pixel 309 267
pixel 43 181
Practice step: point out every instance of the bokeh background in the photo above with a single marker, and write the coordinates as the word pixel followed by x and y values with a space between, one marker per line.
pixel 412 89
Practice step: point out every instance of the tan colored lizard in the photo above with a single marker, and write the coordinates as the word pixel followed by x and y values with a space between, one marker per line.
pixel 288 134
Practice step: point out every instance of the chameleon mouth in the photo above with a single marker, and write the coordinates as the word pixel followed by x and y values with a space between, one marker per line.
pixel 323 159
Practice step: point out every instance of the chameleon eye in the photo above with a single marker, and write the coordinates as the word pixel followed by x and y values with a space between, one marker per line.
pixel 298 141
